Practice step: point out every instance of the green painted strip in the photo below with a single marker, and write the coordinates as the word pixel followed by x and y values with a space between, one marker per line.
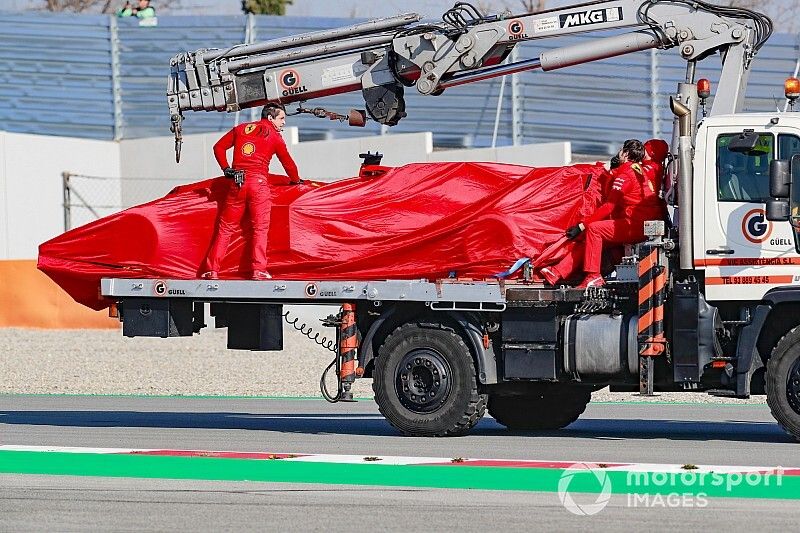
pixel 450 477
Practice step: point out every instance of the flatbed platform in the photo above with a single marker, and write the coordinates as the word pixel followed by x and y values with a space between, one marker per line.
pixel 486 295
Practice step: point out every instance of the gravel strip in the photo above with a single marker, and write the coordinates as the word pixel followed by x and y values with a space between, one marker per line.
pixel 104 362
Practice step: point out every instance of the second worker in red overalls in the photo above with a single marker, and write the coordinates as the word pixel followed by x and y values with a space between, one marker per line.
pixel 254 144
pixel 629 199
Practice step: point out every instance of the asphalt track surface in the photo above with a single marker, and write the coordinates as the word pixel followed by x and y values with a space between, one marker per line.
pixel 702 434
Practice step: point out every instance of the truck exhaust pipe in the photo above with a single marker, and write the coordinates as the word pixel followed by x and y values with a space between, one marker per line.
pixel 685 182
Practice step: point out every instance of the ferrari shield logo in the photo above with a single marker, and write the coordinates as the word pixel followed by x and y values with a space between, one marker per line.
pixel 250 128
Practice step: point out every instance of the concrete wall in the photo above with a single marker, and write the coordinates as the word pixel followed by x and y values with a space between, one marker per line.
pixel 338 158
pixel 318 160
pixel 149 167
pixel 31 195
pixel 536 155
pixel 31 201
pixel 335 159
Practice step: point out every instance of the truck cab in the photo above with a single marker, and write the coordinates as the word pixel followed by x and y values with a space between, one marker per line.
pixel 742 254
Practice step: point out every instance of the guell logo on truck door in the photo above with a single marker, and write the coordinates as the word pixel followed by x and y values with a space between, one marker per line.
pixel 755 226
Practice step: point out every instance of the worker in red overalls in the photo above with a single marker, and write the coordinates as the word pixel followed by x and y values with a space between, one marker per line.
pixel 629 202
pixel 655 155
pixel 254 144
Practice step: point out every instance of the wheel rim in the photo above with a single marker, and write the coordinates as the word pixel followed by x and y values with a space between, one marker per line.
pixel 793 386
pixel 422 380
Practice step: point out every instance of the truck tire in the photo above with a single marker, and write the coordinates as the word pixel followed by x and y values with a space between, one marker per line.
pixel 424 383
pixel 783 382
pixel 548 409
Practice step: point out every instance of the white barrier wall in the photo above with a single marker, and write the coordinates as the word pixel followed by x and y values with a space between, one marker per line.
pixel 154 157
pixel 338 158
pixel 31 193
pixel 140 170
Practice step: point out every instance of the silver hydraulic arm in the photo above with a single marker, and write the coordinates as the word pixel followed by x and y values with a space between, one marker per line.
pixel 383 57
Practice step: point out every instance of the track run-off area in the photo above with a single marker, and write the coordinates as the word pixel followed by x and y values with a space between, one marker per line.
pixel 618 458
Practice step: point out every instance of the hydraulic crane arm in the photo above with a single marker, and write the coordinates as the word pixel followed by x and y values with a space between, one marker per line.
pixel 382 57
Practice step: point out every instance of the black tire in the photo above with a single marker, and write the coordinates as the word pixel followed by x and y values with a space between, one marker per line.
pixel 783 382
pixel 436 363
pixel 550 408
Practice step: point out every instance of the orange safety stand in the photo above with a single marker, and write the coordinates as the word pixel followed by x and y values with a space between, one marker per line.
pixel 653 273
pixel 348 346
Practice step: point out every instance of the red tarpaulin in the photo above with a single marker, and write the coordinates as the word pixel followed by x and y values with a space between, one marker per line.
pixel 422 220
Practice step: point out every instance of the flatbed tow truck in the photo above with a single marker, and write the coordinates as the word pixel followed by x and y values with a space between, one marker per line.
pixel 710 303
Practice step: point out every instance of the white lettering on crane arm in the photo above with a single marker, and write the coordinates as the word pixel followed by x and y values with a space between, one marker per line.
pixel 595 16
pixel 545 24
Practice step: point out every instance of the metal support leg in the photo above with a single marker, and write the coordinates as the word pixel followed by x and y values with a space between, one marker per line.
pixel 646 367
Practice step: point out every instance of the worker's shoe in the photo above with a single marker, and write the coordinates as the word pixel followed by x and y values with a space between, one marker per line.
pixel 549 276
pixel 211 274
pixel 592 280
pixel 261 275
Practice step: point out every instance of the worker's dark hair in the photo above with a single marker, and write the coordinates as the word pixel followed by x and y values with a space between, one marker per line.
pixel 635 150
pixel 272 110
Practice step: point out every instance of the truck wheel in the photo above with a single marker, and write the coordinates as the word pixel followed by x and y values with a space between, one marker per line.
pixel 424 383
pixel 783 382
pixel 549 409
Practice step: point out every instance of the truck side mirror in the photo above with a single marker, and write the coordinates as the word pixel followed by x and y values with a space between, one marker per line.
pixel 779 178
pixel 783 174
pixel 777 210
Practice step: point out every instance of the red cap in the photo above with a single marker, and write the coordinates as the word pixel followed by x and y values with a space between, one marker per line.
pixel 657 149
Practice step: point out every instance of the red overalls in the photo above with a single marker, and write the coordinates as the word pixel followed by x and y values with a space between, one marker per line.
pixel 656 152
pixel 630 201
pixel 253 144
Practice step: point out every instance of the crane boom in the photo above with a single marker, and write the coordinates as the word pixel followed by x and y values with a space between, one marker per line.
pixel 382 57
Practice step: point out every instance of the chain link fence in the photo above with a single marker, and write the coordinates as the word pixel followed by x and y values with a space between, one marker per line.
pixel 88 198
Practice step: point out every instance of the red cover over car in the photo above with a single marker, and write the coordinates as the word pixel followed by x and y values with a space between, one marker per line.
pixel 424 220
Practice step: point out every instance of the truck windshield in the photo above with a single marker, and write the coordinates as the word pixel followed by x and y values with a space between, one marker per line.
pixel 744 177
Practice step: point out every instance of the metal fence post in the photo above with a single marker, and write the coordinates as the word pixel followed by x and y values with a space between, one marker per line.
pixel 796 69
pixel 498 110
pixel 517 104
pixel 655 115
pixel 116 87
pixel 67 201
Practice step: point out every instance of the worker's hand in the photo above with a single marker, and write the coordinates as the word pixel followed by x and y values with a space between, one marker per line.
pixel 236 175
pixel 574 231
